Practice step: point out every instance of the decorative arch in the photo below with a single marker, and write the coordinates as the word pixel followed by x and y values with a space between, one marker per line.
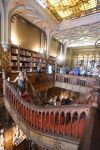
pixel 47 121
pixel 52 121
pixel 57 120
pixel 68 123
pixel 62 122
pixel 75 123
pixel 43 120
pixel 82 124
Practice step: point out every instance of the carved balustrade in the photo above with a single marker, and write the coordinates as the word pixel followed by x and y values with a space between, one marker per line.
pixel 76 80
pixel 62 121
pixel 1 83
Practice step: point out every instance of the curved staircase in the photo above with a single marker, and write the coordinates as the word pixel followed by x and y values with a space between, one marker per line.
pixel 56 128
pixel 50 127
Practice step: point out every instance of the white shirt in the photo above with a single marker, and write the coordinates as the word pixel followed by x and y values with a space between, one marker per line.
pixel 50 69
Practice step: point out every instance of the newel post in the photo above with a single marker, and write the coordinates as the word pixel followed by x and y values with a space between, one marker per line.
pixel 3 77
pixel 96 97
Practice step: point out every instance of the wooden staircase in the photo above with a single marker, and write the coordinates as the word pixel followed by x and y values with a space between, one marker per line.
pixel 56 128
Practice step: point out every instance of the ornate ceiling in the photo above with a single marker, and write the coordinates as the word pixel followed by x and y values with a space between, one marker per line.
pixel 85 35
pixel 75 32
pixel 71 9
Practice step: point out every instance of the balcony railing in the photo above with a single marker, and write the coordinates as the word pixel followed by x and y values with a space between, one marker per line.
pixel 1 83
pixel 76 80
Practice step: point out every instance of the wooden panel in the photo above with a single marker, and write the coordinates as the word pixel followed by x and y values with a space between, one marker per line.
pixel 71 87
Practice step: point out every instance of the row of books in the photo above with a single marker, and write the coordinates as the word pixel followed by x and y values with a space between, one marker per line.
pixel 25 53
pixel 25 59
pixel 25 64
pixel 14 51
pixel 14 57
pixel 14 64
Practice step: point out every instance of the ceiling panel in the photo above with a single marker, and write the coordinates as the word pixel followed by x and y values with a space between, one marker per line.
pixel 70 9
pixel 80 36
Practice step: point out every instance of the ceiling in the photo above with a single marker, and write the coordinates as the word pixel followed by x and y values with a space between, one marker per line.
pixel 80 36
pixel 75 32
pixel 71 9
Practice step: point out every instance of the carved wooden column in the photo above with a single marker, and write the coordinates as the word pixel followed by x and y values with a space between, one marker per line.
pixel 3 77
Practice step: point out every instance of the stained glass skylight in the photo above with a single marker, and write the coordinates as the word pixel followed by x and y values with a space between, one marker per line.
pixel 70 9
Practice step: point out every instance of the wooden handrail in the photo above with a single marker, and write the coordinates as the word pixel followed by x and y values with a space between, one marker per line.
pixel 59 120
pixel 76 80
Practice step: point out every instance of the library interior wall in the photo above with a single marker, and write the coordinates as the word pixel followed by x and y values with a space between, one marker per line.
pixel 28 36
pixel 23 34
pixel 54 47
pixel 82 51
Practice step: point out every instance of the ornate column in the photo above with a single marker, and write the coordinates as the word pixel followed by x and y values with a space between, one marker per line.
pixel 48 34
pixel 5 27
pixel 5 36
pixel 65 50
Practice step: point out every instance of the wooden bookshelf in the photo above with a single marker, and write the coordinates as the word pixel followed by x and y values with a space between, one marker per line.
pixel 51 61
pixel 14 58
pixel 28 60
pixel 36 59
pixel 25 59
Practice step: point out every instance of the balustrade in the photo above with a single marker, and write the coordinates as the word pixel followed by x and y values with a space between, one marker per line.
pixel 1 87
pixel 63 120
pixel 76 80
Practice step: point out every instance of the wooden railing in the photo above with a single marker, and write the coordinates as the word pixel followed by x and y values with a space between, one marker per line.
pixel 64 121
pixel 76 80
pixel 1 83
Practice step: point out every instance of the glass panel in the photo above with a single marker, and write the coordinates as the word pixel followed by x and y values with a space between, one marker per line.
pixel 66 9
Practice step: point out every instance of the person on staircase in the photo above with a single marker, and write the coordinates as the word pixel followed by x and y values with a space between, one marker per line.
pixel 20 79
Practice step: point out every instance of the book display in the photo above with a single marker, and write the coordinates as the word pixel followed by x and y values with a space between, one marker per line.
pixel 51 61
pixel 14 58
pixel 24 59
pixel 18 136
pixel 36 59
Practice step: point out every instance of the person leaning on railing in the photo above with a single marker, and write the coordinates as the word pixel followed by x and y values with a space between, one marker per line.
pixel 20 79
pixel 96 71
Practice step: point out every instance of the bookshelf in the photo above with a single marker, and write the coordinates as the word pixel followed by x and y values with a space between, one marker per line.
pixel 28 60
pixel 51 61
pixel 25 62
pixel 14 58
pixel 36 59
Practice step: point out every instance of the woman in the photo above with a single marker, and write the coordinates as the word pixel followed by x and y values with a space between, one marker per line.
pixel 20 79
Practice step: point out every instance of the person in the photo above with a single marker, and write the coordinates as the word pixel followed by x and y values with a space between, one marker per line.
pixel 76 70
pixel 82 71
pixel 39 68
pixel 64 70
pixel 96 71
pixel 58 103
pixel 52 101
pixel 20 79
pixel 49 69
pixel 67 101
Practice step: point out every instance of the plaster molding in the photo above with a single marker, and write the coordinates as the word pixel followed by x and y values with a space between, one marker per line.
pixel 79 22
pixel 5 46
